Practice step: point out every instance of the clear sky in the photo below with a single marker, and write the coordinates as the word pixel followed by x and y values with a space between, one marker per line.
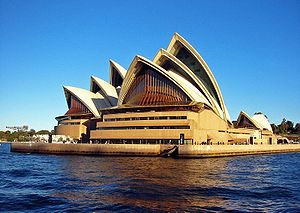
pixel 252 48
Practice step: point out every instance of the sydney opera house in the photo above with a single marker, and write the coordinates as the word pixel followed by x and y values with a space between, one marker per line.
pixel 171 99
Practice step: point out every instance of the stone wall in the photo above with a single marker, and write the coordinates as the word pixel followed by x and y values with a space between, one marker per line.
pixel 152 149
pixel 229 150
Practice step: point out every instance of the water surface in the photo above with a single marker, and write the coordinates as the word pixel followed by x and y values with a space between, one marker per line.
pixel 47 183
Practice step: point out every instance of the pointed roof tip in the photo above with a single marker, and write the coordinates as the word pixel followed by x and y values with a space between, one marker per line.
pixel 93 77
pixel 70 87
pixel 139 57
pixel 120 68
pixel 66 87
pixel 114 62
pixel 177 34
pixel 142 58
pixel 162 50
pixel 254 122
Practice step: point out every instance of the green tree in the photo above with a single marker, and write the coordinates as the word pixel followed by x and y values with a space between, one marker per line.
pixel 297 128
pixel 31 132
pixel 43 132
pixel 285 127
pixel 282 127
pixel 289 126
pixel 275 128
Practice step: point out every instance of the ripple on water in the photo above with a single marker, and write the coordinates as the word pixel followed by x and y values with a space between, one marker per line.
pixel 49 183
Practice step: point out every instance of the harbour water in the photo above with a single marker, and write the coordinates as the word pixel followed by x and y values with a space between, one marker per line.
pixel 48 183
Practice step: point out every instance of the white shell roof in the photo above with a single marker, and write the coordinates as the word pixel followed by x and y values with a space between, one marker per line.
pixel 212 102
pixel 242 113
pixel 171 48
pixel 227 114
pixel 108 90
pixel 189 88
pixel 132 72
pixel 91 100
pixel 122 71
pixel 262 120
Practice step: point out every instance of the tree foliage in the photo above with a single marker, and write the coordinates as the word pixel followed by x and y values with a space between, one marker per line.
pixel 286 127
pixel 20 135
pixel 43 132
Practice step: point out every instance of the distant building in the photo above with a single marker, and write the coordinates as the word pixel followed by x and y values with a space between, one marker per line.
pixel 174 96
pixel 55 138
pixel 18 128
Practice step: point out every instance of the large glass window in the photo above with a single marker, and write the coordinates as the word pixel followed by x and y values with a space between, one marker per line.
pixel 95 88
pixel 170 65
pixel 146 118
pixel 152 88
pixel 117 80
pixel 143 127
pixel 244 122
pixel 191 62
pixel 76 107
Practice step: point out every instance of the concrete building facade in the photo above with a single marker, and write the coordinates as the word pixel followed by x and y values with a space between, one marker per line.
pixel 173 99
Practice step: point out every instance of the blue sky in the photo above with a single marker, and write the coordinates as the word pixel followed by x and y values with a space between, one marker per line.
pixel 252 48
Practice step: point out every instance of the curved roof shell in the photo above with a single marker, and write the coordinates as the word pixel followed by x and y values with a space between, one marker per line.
pixel 253 122
pixel 107 90
pixel 134 68
pixel 117 73
pixel 191 90
pixel 263 121
pixel 163 57
pixel 178 46
pixel 91 100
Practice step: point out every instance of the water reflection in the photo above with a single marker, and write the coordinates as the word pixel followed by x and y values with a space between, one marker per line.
pixel 149 183
pixel 47 183
pixel 163 184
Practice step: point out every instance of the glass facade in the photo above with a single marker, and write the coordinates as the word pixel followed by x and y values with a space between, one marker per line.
pixel 170 65
pixel 76 107
pixel 244 122
pixel 95 88
pixel 152 88
pixel 147 118
pixel 117 80
pixel 191 62
pixel 142 127
pixel 141 141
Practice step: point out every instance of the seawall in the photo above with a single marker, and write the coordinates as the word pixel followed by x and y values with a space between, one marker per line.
pixel 88 149
pixel 235 150
pixel 185 151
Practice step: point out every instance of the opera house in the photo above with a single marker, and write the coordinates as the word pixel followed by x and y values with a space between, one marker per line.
pixel 172 99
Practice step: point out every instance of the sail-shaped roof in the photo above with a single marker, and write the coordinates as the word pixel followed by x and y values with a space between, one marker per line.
pixel 107 90
pixel 182 50
pixel 190 89
pixel 117 73
pixel 174 78
pixel 170 62
pixel 263 121
pixel 93 101
pixel 245 121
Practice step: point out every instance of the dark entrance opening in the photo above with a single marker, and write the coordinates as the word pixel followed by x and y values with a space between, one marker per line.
pixel 251 140
pixel 270 140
